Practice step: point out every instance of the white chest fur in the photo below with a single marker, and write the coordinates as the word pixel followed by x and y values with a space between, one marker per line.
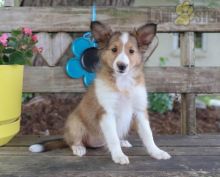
pixel 119 104
pixel 125 82
pixel 123 113
pixel 124 109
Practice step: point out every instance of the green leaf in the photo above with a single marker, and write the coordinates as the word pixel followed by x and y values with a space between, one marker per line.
pixel 12 43
pixel 28 62
pixel 8 50
pixel 12 39
pixel 17 58
pixel 1 47
pixel 5 59
pixel 16 32
pixel 29 54
pixel 163 61
pixel 27 96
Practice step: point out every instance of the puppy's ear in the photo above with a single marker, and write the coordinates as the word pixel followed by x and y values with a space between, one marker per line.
pixel 100 32
pixel 145 34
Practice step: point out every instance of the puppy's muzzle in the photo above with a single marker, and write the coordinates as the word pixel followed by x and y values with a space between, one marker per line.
pixel 121 67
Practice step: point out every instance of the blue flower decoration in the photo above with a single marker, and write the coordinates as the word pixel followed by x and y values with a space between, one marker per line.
pixel 86 58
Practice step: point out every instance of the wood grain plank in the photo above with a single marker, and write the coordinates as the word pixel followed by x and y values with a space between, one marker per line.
pixel 196 161
pixel 134 151
pixel 20 165
pixel 163 141
pixel 45 79
pixel 47 19
pixel 188 105
pixel 165 79
pixel 54 46
pixel 187 173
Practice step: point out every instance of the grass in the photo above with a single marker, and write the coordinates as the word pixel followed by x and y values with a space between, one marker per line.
pixel 206 98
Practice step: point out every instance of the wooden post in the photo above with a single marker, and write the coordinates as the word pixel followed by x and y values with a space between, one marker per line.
pixel 188 108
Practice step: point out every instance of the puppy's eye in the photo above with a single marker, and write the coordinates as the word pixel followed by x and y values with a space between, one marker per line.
pixel 131 51
pixel 114 50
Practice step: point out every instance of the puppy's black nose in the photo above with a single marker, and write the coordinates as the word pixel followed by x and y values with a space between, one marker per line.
pixel 121 66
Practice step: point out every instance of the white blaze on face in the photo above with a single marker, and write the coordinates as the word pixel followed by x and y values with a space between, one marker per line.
pixel 122 57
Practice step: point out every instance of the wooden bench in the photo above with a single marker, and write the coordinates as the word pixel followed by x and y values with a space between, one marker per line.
pixel 192 156
pixel 197 155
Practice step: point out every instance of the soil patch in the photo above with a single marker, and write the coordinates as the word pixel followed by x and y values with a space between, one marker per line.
pixel 45 115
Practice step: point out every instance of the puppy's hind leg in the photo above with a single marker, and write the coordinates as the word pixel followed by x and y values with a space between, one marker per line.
pixel 73 134
pixel 125 143
pixel 78 150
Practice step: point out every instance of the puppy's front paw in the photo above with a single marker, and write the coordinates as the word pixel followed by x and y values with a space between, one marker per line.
pixel 121 159
pixel 125 143
pixel 159 154
pixel 79 150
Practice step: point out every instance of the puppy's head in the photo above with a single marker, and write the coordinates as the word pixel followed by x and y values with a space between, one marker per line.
pixel 122 51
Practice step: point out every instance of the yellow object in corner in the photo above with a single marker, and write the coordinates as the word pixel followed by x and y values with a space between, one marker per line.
pixel 11 82
pixel 8 131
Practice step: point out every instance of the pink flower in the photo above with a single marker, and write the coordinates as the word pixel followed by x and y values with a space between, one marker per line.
pixel 34 38
pixel 27 31
pixel 3 39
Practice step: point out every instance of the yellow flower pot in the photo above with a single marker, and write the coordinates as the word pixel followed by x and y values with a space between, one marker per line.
pixel 11 81
pixel 8 131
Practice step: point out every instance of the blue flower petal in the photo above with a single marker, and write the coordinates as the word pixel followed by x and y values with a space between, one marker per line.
pixel 79 45
pixel 88 78
pixel 74 68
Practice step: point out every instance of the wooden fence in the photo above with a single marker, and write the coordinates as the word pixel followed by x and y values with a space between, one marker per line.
pixel 60 22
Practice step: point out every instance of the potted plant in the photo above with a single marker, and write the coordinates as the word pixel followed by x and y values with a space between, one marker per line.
pixel 16 50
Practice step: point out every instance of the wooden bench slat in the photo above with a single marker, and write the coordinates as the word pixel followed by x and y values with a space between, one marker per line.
pixel 165 141
pixel 23 165
pixel 78 19
pixel 158 79
pixel 173 173
pixel 134 151
pixel 187 160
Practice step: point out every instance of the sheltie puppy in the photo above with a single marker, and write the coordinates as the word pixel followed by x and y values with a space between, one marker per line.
pixel 117 98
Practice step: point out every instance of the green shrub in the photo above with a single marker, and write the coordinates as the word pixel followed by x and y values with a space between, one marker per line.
pixel 163 60
pixel 160 102
pixel 26 97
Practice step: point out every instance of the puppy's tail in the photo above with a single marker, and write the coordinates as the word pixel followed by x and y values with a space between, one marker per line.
pixel 48 145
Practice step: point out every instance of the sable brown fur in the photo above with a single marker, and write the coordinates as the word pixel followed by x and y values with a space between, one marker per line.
pixel 117 97
pixel 82 126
